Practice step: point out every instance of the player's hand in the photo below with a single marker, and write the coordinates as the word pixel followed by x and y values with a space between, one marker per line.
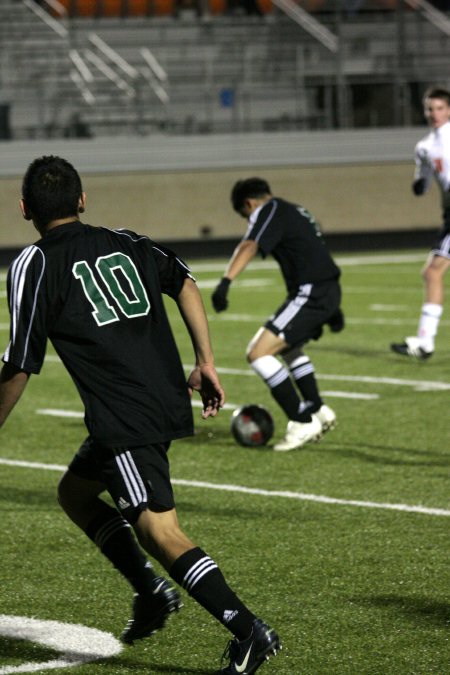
pixel 205 380
pixel 219 297
pixel 336 321
pixel 418 187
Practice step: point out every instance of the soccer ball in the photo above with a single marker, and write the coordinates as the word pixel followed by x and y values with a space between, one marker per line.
pixel 252 425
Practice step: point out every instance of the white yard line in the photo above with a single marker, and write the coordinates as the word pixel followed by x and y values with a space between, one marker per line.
pixel 366 321
pixel 343 261
pixel 417 385
pixel 287 494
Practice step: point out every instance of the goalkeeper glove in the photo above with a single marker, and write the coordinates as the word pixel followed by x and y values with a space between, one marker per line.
pixel 219 297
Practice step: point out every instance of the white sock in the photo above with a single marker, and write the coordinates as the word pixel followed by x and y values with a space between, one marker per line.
pixel 269 368
pixel 428 325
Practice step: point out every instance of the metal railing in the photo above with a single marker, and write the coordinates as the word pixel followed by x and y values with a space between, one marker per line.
pixel 56 25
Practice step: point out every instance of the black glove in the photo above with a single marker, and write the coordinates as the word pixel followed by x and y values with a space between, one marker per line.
pixel 219 297
pixel 418 187
pixel 336 321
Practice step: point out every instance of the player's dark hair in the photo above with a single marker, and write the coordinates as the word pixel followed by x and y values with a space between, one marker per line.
pixel 51 189
pixel 437 92
pixel 254 188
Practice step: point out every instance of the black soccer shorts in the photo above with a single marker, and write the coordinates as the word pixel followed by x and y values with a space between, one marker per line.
pixel 301 318
pixel 137 478
pixel 441 245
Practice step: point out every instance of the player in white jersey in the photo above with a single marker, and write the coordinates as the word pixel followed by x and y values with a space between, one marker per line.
pixel 432 158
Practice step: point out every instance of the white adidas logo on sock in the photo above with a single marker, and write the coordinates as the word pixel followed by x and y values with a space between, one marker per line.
pixel 229 615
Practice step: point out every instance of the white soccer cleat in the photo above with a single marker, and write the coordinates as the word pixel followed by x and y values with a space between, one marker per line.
pixel 411 347
pixel 327 418
pixel 299 433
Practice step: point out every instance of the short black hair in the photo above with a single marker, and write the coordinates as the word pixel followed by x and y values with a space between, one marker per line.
pixel 437 92
pixel 51 189
pixel 250 187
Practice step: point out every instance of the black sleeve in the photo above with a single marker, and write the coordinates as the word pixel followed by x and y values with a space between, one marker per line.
pixel 266 230
pixel 28 310
pixel 172 270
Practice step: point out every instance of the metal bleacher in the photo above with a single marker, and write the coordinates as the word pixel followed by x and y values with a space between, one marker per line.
pixel 64 75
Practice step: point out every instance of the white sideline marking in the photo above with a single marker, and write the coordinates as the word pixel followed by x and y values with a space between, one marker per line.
pixel 77 644
pixel 351 394
pixel 418 385
pixel 387 322
pixel 378 307
pixel 245 283
pixel 355 321
pixel 59 412
pixel 301 496
pixel 384 259
pixel 350 261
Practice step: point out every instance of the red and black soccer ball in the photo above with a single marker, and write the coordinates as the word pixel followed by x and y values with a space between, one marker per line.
pixel 252 425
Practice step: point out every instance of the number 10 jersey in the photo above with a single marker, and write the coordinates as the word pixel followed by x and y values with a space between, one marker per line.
pixel 97 295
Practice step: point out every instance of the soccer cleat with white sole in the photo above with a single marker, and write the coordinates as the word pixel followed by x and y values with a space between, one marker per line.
pixel 326 417
pixel 299 433
pixel 151 612
pixel 411 347
pixel 246 656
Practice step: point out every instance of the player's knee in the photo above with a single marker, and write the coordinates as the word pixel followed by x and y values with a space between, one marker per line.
pixel 254 354
pixel 249 352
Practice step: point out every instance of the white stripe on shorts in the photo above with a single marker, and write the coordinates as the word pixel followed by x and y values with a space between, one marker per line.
pixel 444 247
pixel 293 307
pixel 131 477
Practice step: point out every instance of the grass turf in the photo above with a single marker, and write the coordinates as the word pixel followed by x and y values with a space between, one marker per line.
pixel 350 588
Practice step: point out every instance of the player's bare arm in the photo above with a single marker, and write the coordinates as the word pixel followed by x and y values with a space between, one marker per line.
pixel 244 252
pixel 12 384
pixel 203 378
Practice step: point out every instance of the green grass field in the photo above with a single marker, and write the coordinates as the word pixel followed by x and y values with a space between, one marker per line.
pixel 342 546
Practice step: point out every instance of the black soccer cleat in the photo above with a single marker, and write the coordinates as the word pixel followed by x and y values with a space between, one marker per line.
pixel 151 611
pixel 248 655
pixel 411 347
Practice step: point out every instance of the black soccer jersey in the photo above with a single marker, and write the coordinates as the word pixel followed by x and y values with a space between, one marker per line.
pixel 291 235
pixel 96 294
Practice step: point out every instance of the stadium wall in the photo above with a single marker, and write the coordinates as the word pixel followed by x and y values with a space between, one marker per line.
pixel 176 189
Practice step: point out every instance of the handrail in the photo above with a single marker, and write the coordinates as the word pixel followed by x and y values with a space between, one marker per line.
pixel 45 16
pixel 57 7
pixel 110 73
pixel 153 64
pixel 433 15
pixel 80 65
pixel 113 55
pixel 158 90
pixel 79 82
pixel 310 24
pixel 154 75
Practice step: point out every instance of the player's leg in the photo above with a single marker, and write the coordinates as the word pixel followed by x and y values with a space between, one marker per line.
pixel 79 495
pixel 319 306
pixel 303 373
pixel 433 276
pixel 421 346
pixel 160 535
pixel 261 354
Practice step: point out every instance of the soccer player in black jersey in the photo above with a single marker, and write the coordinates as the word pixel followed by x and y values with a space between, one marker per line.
pixel 96 294
pixel 291 235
